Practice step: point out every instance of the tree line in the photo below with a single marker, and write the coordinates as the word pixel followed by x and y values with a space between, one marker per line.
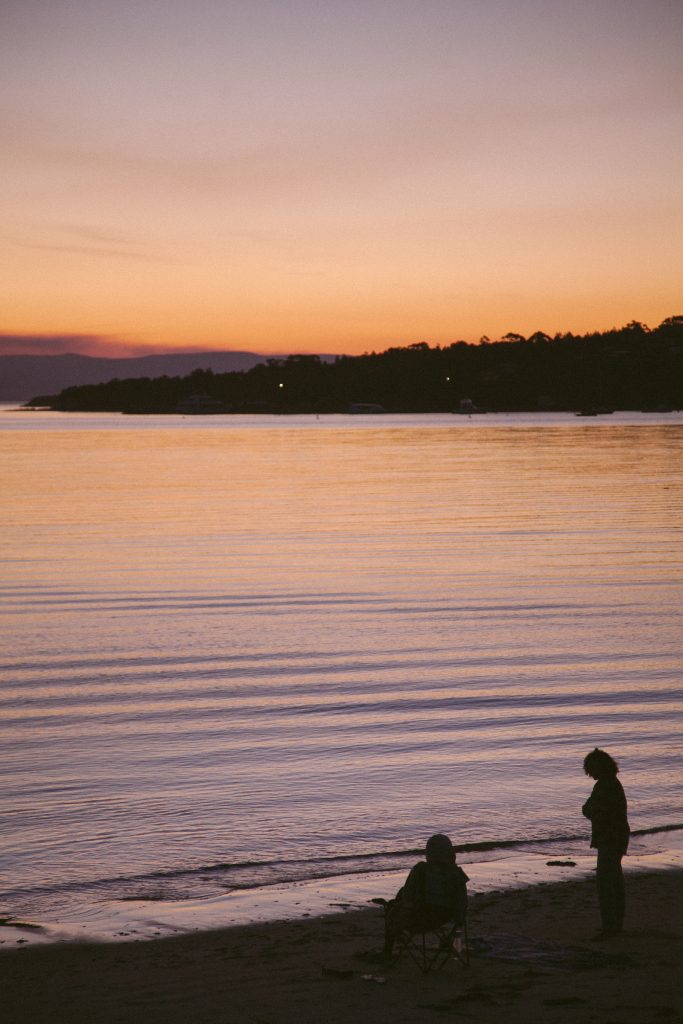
pixel 633 367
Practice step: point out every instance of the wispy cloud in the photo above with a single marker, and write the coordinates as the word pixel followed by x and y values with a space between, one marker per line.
pixel 78 344
pixel 90 241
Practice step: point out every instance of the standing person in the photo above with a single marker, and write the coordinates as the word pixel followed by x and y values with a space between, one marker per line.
pixel 606 810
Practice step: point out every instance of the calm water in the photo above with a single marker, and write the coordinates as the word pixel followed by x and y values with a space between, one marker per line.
pixel 239 650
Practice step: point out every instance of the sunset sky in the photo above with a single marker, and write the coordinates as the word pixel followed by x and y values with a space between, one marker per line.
pixel 292 175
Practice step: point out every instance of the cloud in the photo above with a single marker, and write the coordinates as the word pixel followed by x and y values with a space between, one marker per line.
pixel 93 242
pixel 79 344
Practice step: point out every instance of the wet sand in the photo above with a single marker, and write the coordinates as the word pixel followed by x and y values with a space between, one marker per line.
pixel 532 960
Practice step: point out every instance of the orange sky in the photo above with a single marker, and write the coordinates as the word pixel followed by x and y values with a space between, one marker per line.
pixel 338 177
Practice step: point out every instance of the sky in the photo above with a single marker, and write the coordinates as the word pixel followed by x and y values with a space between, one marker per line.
pixel 302 176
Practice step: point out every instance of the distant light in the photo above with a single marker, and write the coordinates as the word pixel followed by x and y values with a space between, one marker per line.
pixel 280 385
pixel 448 378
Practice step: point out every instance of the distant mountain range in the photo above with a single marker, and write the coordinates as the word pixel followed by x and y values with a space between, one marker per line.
pixel 22 377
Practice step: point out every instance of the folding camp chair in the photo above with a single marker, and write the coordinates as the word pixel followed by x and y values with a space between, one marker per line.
pixel 432 948
pixel 433 945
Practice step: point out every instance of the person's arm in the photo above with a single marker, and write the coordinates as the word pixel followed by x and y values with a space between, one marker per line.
pixel 588 809
pixel 461 881
pixel 413 890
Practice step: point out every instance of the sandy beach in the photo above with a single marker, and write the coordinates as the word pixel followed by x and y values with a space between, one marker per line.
pixel 532 960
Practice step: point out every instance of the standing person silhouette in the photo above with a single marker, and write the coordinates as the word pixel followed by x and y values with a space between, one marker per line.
pixel 606 810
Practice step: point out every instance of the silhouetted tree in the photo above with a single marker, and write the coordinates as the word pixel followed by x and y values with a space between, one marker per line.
pixel 628 368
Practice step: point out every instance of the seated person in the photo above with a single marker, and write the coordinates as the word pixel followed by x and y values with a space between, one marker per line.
pixel 434 893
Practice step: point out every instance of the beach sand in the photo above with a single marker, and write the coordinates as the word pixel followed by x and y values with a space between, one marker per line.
pixel 532 961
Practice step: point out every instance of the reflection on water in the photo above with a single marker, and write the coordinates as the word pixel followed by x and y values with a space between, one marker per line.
pixel 262 639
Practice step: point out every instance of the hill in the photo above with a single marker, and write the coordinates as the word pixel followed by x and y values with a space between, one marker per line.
pixel 24 376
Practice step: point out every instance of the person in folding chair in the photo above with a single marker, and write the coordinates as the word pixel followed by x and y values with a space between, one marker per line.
pixel 432 900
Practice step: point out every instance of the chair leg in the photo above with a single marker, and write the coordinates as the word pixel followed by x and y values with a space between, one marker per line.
pixel 453 944
pixel 461 948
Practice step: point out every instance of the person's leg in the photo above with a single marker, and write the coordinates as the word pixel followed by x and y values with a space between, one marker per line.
pixel 620 896
pixel 610 890
pixel 392 925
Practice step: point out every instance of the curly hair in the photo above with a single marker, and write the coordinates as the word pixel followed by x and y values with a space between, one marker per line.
pixel 599 765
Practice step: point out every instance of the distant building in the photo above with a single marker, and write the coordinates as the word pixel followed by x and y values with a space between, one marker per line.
pixel 468 408
pixel 200 405
pixel 365 407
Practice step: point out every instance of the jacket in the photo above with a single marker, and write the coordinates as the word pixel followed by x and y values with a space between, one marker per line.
pixel 607 811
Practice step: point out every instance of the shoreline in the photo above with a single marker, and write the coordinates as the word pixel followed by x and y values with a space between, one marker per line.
pixel 531 960
pixel 121 920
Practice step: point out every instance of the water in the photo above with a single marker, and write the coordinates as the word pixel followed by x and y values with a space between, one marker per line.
pixel 239 651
